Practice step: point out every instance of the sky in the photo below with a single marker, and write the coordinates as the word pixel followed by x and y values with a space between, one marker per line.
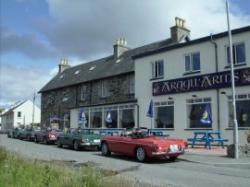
pixel 36 34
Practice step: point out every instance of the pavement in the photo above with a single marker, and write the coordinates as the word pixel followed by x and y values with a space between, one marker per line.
pixel 197 167
pixel 214 156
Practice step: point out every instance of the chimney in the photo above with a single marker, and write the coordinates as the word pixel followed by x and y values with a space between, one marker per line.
pixel 120 47
pixel 179 32
pixel 64 64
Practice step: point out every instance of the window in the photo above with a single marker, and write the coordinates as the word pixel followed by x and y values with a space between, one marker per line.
pixel 96 118
pixel 19 114
pixel 242 112
pixel 164 117
pixel 111 118
pixel 131 85
pixel 127 118
pixel 239 55
pixel 199 115
pixel 83 92
pixel 192 62
pixel 158 69
pixel 104 90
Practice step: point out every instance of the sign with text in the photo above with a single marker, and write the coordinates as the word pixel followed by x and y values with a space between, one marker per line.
pixel 201 82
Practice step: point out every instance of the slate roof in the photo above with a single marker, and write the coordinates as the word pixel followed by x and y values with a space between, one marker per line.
pixel 13 108
pixel 191 42
pixel 107 67
pixel 104 68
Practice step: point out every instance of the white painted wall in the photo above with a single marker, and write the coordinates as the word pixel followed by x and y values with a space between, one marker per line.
pixel 174 67
pixel 12 120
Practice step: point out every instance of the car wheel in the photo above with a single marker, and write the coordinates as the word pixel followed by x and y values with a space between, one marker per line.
pixel 8 135
pixel 45 140
pixel 173 158
pixel 28 138
pixel 98 148
pixel 35 139
pixel 59 143
pixel 140 154
pixel 105 149
pixel 76 145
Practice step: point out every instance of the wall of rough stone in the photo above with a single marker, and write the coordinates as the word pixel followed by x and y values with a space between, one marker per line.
pixel 244 151
pixel 59 102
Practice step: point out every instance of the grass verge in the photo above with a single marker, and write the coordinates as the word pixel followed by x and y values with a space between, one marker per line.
pixel 16 171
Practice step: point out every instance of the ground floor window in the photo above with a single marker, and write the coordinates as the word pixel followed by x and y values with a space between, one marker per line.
pixel 111 118
pixel 115 116
pixel 127 118
pixel 199 113
pixel 242 112
pixel 164 117
pixel 96 118
pixel 83 118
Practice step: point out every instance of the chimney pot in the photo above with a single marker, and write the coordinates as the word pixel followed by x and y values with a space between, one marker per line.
pixel 179 32
pixel 120 47
pixel 63 65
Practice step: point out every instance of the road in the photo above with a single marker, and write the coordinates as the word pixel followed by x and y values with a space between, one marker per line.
pixel 179 173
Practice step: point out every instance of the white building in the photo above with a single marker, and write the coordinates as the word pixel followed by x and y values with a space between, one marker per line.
pixel 20 114
pixel 190 78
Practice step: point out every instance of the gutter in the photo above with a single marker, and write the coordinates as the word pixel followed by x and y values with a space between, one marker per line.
pixel 216 69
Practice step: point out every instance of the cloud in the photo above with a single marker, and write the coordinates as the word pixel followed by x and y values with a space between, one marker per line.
pixel 19 83
pixel 28 44
pixel 89 28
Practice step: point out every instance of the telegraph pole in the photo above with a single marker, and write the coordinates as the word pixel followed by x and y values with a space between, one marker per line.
pixel 236 152
pixel 33 109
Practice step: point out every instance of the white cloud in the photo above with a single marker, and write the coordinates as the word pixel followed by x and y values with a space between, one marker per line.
pixel 20 83
pixel 87 28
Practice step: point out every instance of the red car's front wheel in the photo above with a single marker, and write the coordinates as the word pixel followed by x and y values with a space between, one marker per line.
pixel 141 154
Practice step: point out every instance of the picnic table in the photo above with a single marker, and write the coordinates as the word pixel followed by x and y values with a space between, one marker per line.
pixel 207 137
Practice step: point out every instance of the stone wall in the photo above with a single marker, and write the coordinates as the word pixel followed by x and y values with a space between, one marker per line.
pixel 244 151
pixel 59 102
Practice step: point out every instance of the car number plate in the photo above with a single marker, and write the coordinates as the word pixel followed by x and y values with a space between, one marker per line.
pixel 96 141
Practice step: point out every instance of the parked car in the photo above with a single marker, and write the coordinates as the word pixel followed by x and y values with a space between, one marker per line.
pixel 27 133
pixel 77 138
pixel 138 143
pixel 13 133
pixel 48 135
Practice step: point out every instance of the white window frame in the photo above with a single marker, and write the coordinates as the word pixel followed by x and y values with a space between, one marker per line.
pixel 239 97
pixel 18 114
pixel 196 101
pixel 83 92
pixel 163 104
pixel 191 65
pixel 104 92
pixel 235 62
pixel 131 84
pixel 156 69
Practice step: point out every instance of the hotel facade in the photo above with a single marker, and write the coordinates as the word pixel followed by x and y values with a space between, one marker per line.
pixel 190 85
pixel 187 80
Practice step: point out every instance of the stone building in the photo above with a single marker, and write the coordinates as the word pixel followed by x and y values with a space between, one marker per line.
pixel 99 88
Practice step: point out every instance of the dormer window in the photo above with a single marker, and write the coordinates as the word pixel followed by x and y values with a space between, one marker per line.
pixel 61 76
pixel 77 72
pixel 92 68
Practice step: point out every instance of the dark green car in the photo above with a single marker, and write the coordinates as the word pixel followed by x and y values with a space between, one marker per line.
pixel 14 133
pixel 77 138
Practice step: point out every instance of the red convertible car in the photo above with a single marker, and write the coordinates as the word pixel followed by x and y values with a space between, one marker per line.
pixel 143 146
pixel 48 136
